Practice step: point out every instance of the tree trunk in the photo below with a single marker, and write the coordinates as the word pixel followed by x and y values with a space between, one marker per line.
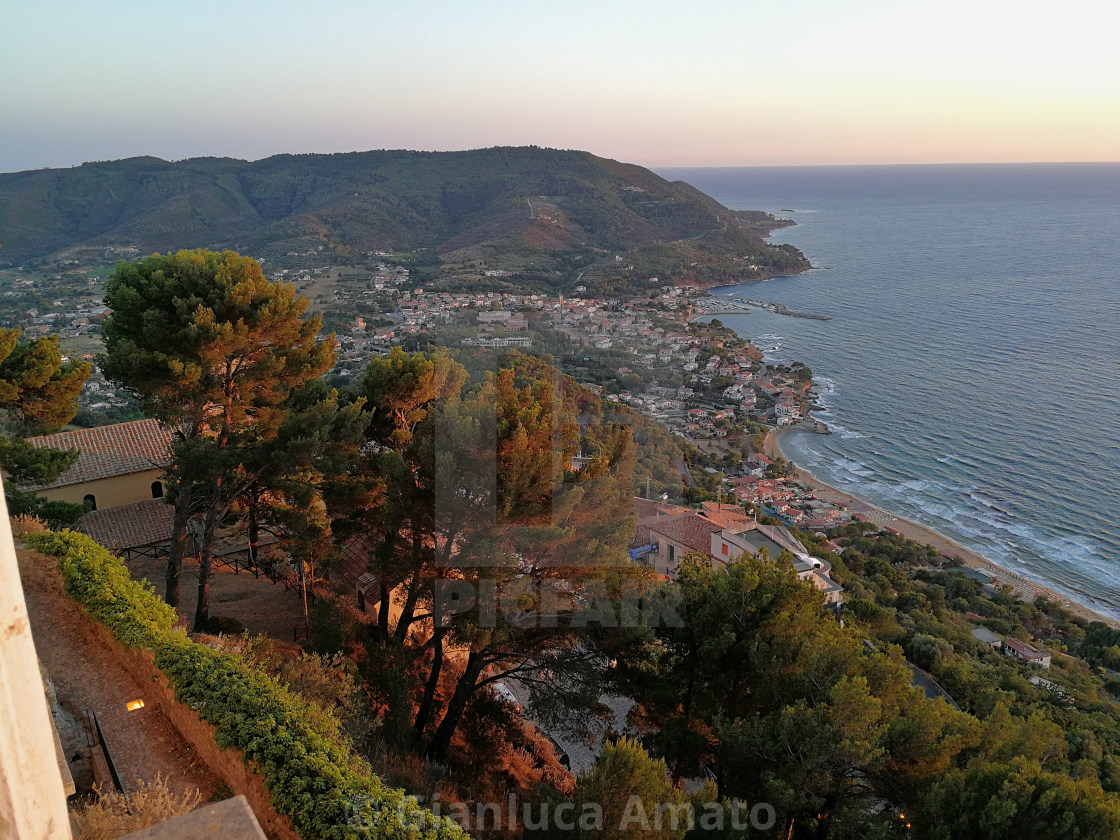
pixel 254 529
pixel 383 611
pixel 178 541
pixel 690 688
pixel 202 608
pixel 405 619
pixel 428 702
pixel 464 688
pixel 205 558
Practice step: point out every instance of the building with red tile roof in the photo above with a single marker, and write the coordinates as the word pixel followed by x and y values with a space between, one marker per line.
pixel 1026 653
pixel 138 529
pixel 676 536
pixel 117 465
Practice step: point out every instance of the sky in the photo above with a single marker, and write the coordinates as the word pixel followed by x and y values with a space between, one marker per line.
pixel 697 83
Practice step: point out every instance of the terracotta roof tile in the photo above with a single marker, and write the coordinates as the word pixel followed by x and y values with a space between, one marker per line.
pixel 691 530
pixel 356 554
pixel 108 451
pixel 130 526
pixel 655 507
pixel 725 515
pixel 1022 648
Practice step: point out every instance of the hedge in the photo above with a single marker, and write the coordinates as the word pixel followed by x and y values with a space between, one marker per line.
pixel 325 789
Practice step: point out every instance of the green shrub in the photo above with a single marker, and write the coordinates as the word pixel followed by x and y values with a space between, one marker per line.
pixel 99 581
pixel 312 775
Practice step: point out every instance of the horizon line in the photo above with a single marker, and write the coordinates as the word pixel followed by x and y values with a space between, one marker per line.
pixel 558 149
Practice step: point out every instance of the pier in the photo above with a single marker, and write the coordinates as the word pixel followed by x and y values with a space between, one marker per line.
pixel 726 305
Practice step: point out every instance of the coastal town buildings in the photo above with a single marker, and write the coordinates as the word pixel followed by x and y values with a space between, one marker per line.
pixel 1014 648
pixel 665 534
pixel 1026 653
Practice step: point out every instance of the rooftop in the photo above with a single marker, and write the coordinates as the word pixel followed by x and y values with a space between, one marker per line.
pixel 983 634
pixel 109 451
pixel 130 526
pixel 691 530
pixel 1023 649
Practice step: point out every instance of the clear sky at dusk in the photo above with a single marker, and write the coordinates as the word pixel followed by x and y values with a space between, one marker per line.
pixel 655 83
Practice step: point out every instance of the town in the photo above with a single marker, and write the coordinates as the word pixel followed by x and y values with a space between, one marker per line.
pixel 715 537
pixel 654 354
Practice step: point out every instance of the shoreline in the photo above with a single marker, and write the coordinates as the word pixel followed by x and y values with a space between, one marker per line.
pixel 1022 588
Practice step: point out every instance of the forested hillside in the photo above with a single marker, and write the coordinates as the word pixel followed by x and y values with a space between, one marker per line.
pixel 542 211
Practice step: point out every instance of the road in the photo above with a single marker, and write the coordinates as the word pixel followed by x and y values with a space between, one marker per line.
pixel 920 679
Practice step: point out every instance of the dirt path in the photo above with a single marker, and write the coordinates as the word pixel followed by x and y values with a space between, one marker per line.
pixel 86 675
pixel 260 605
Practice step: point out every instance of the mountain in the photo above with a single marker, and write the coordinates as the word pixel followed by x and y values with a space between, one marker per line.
pixel 544 212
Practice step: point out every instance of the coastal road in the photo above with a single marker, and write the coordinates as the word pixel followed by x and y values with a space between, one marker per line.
pixel 920 679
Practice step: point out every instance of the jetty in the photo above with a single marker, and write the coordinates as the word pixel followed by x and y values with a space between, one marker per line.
pixel 728 305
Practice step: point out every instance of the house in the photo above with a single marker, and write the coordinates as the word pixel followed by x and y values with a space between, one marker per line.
pixel 723 514
pixel 676 536
pixel 119 473
pixel 757 464
pixel 988 638
pixel 139 529
pixel 118 465
pixel 752 537
pixel 1026 653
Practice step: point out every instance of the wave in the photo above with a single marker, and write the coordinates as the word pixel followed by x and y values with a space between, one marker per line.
pixel 1002 404
pixel 856 468
pixel 989 503
pixel 826 417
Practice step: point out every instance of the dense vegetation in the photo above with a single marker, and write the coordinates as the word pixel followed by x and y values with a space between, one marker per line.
pixel 38 394
pixel 489 551
pixel 550 215
pixel 222 355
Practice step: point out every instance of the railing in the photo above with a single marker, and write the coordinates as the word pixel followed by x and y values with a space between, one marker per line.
pixel 95 731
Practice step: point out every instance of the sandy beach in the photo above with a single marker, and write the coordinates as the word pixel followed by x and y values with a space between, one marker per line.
pixel 1023 588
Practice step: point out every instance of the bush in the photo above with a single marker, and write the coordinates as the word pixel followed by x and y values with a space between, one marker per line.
pixel 113 814
pixel 312 774
pixel 55 513
pixel 99 581
pixel 926 651
pixel 25 524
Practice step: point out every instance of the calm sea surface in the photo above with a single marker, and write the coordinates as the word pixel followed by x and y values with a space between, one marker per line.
pixel 972 362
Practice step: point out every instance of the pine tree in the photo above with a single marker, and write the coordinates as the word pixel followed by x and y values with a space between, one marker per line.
pixel 212 348
pixel 38 393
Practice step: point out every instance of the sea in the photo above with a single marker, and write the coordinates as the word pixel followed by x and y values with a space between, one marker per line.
pixel 971 367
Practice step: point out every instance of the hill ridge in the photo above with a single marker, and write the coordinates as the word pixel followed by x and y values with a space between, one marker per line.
pixel 576 207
